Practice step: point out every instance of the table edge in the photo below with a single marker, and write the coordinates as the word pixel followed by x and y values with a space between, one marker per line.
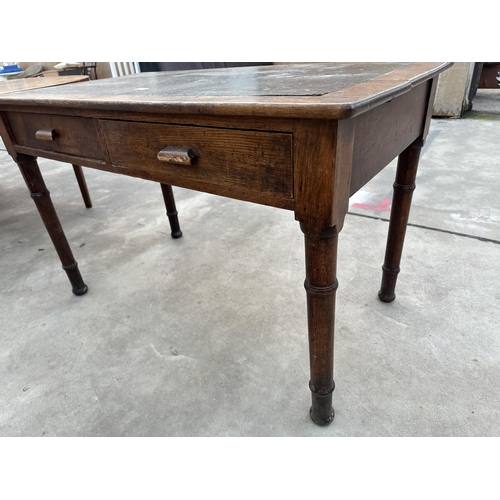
pixel 341 104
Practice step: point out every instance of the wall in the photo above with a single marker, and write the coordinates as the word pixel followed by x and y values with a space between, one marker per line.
pixel 453 90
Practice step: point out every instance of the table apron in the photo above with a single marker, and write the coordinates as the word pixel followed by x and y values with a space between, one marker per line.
pixel 385 132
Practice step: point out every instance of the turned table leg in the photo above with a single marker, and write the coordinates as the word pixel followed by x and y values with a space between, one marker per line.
pixel 41 196
pixel 168 197
pixel 321 285
pixel 403 191
pixel 83 185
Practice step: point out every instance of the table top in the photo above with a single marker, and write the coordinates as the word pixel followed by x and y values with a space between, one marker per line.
pixel 326 90
pixel 8 86
pixel 23 84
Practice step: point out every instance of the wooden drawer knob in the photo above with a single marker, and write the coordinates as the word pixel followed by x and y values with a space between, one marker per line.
pixel 46 134
pixel 177 156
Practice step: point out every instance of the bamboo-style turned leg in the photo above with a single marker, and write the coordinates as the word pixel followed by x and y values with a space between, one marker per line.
pixel 83 185
pixel 168 197
pixel 41 196
pixel 321 285
pixel 403 191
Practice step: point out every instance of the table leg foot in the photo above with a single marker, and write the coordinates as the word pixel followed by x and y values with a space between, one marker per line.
pixel 321 411
pixel 75 278
pixel 386 296
pixel 320 420
pixel 389 277
pixel 174 225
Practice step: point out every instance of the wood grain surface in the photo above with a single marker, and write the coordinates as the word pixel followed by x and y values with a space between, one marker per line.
pixel 333 90
pixel 7 86
pixel 258 161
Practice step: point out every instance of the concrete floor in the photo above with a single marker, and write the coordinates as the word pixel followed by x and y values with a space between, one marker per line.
pixel 206 335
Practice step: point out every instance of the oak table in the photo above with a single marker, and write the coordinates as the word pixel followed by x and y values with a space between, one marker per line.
pixel 297 137
pixel 17 85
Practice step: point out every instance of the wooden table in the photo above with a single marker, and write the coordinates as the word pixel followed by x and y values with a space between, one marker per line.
pixel 8 86
pixel 302 138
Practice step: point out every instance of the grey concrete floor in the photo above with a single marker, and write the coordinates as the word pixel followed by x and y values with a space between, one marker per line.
pixel 206 335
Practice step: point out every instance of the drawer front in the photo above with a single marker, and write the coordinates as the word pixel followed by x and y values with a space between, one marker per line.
pixel 62 134
pixel 243 159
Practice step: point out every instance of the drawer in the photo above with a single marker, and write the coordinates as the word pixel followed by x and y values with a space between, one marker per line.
pixel 241 159
pixel 62 134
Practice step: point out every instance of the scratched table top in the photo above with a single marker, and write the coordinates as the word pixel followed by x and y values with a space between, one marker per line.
pixel 327 90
